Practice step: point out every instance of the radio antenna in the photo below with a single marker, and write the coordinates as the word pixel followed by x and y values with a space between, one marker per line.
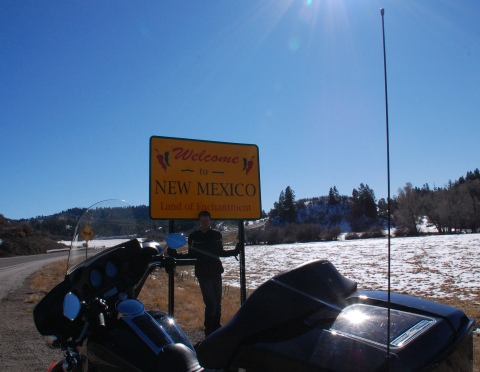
pixel 382 13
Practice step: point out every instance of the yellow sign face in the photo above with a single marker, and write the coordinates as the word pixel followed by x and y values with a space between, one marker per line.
pixel 87 233
pixel 189 176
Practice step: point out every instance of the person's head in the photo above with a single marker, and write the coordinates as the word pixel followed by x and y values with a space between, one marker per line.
pixel 204 220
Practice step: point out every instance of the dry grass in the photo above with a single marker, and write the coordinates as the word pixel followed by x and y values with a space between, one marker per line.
pixel 42 281
pixel 189 304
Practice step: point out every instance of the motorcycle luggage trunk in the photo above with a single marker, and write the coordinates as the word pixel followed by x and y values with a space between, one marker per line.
pixel 356 341
pixel 312 318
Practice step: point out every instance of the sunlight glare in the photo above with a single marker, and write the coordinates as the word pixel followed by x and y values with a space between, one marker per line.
pixel 356 316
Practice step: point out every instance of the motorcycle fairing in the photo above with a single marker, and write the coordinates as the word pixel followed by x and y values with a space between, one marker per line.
pixel 48 313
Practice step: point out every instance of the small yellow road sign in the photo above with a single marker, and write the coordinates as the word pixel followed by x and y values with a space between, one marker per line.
pixel 87 233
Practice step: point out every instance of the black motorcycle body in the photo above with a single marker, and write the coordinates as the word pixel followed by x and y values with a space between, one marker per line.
pixel 115 332
pixel 310 318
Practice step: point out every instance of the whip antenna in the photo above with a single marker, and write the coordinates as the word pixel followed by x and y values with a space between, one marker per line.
pixel 382 13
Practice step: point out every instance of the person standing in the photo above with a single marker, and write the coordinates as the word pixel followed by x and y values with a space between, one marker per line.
pixel 205 244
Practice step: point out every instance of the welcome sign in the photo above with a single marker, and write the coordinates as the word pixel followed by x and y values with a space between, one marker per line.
pixel 188 176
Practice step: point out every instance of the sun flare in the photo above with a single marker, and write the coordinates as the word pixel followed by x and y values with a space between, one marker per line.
pixel 356 316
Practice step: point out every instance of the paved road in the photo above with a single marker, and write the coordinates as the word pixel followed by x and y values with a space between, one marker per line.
pixel 14 270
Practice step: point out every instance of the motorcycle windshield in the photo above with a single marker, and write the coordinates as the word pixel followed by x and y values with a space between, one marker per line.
pixel 103 225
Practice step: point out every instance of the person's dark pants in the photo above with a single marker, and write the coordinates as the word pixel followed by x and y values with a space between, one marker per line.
pixel 212 297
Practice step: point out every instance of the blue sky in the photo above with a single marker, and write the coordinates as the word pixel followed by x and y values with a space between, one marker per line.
pixel 85 84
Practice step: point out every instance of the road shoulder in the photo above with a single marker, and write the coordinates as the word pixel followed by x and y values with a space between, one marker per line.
pixel 22 348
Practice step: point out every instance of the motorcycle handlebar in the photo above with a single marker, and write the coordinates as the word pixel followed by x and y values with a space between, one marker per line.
pixel 185 261
pixel 166 262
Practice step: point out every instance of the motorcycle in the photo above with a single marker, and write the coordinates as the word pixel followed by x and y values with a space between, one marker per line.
pixel 310 318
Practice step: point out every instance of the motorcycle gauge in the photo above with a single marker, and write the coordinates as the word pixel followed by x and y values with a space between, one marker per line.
pixel 111 269
pixel 95 278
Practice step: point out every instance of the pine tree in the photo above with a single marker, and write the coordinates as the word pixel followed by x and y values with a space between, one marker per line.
pixel 333 196
pixel 284 211
pixel 289 208
pixel 364 208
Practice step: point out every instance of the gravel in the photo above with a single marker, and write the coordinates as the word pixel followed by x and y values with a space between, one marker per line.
pixel 22 348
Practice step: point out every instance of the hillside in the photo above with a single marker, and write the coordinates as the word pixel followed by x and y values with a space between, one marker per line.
pixel 15 242
pixel 37 235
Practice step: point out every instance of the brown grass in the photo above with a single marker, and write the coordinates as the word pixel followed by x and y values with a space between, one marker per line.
pixel 42 281
pixel 189 304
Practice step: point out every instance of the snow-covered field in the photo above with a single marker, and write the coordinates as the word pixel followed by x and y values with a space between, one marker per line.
pixel 433 266
pixel 439 266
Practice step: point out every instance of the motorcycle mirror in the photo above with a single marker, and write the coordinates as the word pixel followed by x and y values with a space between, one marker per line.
pixel 176 241
pixel 71 306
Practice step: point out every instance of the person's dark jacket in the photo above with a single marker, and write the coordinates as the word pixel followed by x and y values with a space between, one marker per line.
pixel 207 247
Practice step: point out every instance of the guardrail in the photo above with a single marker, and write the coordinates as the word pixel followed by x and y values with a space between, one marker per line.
pixel 57 250
pixel 78 249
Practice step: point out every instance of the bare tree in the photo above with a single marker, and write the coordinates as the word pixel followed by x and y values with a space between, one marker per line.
pixel 409 210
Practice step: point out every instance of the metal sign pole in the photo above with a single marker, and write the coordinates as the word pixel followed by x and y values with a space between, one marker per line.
pixel 241 241
pixel 171 277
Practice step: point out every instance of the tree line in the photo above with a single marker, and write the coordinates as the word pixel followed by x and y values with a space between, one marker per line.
pixel 322 218
pixel 451 209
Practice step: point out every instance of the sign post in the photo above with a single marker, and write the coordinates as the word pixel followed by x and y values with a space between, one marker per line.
pixel 87 234
pixel 243 280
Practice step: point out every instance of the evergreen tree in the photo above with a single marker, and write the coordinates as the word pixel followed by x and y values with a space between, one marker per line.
pixel 364 208
pixel 289 208
pixel 277 212
pixel 333 196
pixel 284 211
